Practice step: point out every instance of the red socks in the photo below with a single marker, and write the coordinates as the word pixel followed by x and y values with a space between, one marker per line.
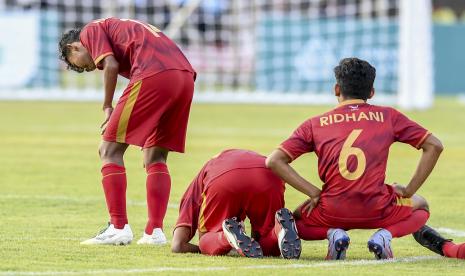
pixel 409 225
pixel 310 233
pixel 158 192
pixel 269 243
pixel 452 250
pixel 114 186
pixel 214 243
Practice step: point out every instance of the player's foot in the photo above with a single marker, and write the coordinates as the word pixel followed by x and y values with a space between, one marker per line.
pixel 338 244
pixel 111 235
pixel 157 238
pixel 288 239
pixel 380 244
pixel 429 238
pixel 244 245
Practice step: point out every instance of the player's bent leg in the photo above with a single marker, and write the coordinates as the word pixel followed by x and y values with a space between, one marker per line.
pixel 114 185
pixel 244 245
pixel 214 244
pixel 419 202
pixel 112 236
pixel 286 231
pixel 338 243
pixel 158 186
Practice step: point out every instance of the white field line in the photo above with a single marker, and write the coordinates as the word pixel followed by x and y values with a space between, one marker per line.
pixel 223 268
pixel 77 199
pixel 452 232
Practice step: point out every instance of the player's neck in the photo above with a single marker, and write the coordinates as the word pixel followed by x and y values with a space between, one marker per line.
pixel 345 101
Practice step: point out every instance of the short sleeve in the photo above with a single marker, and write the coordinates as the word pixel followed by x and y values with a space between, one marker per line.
pixel 189 208
pixel 95 40
pixel 407 131
pixel 300 142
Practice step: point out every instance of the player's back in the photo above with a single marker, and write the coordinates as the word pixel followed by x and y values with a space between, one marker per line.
pixel 352 143
pixel 140 49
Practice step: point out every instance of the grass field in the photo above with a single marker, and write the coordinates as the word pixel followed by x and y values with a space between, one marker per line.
pixel 51 197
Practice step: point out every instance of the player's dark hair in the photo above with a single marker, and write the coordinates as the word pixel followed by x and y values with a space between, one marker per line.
pixel 68 38
pixel 355 78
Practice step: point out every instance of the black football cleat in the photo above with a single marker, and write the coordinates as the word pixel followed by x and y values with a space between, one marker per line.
pixel 244 245
pixel 288 238
pixel 429 238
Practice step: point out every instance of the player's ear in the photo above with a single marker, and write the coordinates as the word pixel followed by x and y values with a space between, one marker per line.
pixel 372 93
pixel 337 90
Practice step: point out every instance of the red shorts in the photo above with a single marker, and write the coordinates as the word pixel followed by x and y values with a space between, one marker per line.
pixel 256 193
pixel 401 209
pixel 153 111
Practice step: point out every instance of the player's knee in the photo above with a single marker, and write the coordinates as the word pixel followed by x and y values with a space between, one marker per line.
pixel 155 155
pixel 176 246
pixel 420 202
pixel 109 153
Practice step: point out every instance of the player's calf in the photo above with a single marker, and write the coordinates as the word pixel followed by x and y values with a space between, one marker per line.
pixel 429 238
pixel 380 244
pixel 338 243
pixel 244 245
pixel 288 238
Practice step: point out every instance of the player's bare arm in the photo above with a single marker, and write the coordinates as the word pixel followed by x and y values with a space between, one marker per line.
pixel 110 77
pixel 181 239
pixel 278 162
pixel 432 148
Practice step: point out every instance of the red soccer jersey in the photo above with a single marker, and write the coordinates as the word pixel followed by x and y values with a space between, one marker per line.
pixel 140 49
pixel 352 144
pixel 226 161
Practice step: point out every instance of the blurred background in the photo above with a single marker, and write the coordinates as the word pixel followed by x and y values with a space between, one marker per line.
pixel 251 51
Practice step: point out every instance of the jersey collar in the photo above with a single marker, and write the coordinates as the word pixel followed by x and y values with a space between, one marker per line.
pixel 348 102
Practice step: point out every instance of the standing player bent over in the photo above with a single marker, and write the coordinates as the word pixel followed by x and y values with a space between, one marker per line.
pixel 352 143
pixel 230 187
pixel 152 113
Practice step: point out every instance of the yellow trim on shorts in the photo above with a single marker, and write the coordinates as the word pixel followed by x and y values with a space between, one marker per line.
pixel 202 227
pixel 126 113
pixel 403 201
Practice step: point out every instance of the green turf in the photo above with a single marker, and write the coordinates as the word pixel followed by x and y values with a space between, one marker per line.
pixel 51 197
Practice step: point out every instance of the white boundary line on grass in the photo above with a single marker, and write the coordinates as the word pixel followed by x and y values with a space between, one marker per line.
pixel 222 268
pixel 449 231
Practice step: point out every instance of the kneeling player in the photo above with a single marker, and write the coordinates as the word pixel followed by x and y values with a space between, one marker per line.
pixel 429 238
pixel 352 143
pixel 230 187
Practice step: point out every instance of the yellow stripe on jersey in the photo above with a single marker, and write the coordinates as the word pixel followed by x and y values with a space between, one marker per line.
pixel 126 113
pixel 202 227
pixel 403 201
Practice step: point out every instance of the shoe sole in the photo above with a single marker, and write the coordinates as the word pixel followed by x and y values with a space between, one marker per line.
pixel 340 247
pixel 243 244
pixel 289 243
pixel 378 251
pixel 120 241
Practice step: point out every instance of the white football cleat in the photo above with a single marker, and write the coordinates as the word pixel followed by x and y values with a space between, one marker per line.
pixel 157 238
pixel 111 235
pixel 380 244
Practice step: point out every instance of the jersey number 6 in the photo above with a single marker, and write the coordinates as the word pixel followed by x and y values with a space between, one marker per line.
pixel 348 150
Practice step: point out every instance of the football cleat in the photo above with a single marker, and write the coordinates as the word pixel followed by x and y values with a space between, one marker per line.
pixel 157 238
pixel 429 238
pixel 111 235
pixel 288 238
pixel 380 244
pixel 244 245
pixel 338 243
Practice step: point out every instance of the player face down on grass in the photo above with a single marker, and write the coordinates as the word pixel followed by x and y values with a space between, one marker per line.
pixel 352 143
pixel 229 188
